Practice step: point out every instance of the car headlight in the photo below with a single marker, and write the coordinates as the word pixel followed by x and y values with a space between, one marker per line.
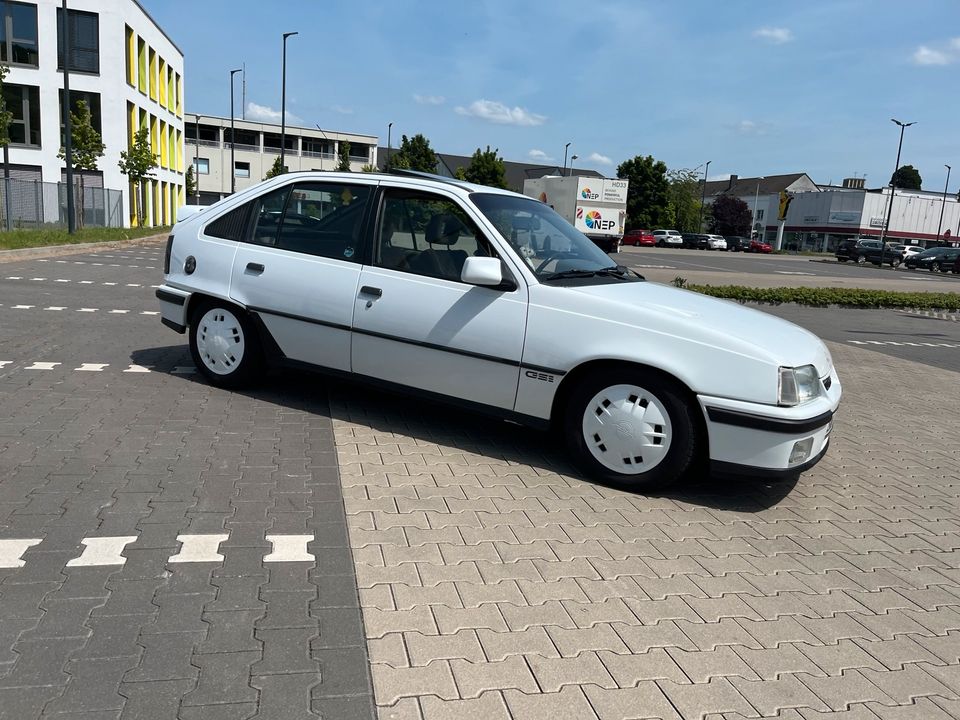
pixel 799 385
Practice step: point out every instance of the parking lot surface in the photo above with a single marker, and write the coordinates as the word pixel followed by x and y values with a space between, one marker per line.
pixel 304 549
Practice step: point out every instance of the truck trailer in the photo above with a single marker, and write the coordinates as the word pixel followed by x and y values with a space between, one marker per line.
pixel 597 207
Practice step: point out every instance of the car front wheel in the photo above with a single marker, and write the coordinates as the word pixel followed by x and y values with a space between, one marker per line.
pixel 224 344
pixel 861 260
pixel 934 267
pixel 895 263
pixel 632 428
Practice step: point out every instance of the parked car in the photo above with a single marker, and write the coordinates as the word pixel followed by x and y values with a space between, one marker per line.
pixel 692 240
pixel 492 301
pixel 715 242
pixel 668 238
pixel 642 238
pixel 853 250
pixel 942 261
pixel 909 250
pixel 892 256
pixel 736 243
pixel 912 261
pixel 759 246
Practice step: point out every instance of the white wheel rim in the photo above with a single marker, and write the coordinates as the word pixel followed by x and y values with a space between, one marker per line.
pixel 220 341
pixel 627 429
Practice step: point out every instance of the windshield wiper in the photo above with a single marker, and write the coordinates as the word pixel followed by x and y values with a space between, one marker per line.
pixel 618 271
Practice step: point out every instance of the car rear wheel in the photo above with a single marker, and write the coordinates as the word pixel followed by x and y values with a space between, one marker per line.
pixel 633 428
pixel 895 263
pixel 934 267
pixel 224 344
pixel 861 260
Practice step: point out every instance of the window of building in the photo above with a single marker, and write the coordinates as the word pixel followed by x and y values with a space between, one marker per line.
pixel 141 66
pixel 241 169
pixel 759 215
pixel 84 41
pixel 201 166
pixel 23 102
pixel 92 100
pixel 152 70
pixel 18 34
pixel 131 55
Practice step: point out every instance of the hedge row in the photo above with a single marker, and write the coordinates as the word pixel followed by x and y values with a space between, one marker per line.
pixel 845 297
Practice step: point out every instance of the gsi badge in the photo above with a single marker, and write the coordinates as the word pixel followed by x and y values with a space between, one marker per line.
pixel 534 375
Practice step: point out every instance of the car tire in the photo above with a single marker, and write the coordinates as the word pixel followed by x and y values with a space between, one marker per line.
pixel 895 263
pixel 861 260
pixel 935 267
pixel 224 344
pixel 616 422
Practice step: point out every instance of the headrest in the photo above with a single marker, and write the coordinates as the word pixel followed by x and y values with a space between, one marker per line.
pixel 443 229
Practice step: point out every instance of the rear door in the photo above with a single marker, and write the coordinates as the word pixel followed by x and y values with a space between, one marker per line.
pixel 300 269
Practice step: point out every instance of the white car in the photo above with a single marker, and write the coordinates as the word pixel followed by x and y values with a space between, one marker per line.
pixel 668 238
pixel 491 300
pixel 716 242
pixel 909 251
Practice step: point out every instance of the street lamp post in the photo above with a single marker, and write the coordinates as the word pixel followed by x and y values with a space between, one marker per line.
pixel 943 204
pixel 233 165
pixel 389 144
pixel 572 158
pixel 283 101
pixel 68 131
pixel 196 163
pixel 756 204
pixel 703 194
pixel 893 189
pixel 565 148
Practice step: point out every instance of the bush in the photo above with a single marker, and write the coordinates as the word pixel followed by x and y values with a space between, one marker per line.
pixel 844 297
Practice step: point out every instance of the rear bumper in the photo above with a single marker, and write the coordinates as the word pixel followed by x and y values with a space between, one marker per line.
pixel 173 307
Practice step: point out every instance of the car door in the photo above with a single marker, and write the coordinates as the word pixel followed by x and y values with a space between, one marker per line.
pixel 417 324
pixel 300 269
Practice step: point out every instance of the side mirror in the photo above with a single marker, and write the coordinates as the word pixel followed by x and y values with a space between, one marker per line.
pixel 482 271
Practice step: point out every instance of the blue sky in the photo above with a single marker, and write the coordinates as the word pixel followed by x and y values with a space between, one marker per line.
pixel 758 88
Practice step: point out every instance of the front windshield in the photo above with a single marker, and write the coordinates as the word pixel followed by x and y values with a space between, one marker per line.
pixel 545 241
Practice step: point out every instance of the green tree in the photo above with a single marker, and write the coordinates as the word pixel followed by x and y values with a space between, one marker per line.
pixel 415 154
pixel 190 182
pixel 486 168
pixel 368 168
pixel 683 208
pixel 86 149
pixel 907 177
pixel 343 163
pixel 730 216
pixel 137 164
pixel 648 193
pixel 275 169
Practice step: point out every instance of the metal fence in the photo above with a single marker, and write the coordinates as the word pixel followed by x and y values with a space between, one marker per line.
pixel 34 204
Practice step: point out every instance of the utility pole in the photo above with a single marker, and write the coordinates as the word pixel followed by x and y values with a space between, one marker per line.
pixel 68 140
pixel 893 188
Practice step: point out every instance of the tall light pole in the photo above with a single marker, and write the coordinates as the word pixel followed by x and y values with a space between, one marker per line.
pixel 565 148
pixel 572 158
pixel 233 165
pixel 756 204
pixel 943 204
pixel 68 131
pixel 283 101
pixel 703 194
pixel 389 145
pixel 893 188
pixel 196 163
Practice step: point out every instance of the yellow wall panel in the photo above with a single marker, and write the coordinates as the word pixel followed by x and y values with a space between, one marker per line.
pixel 153 74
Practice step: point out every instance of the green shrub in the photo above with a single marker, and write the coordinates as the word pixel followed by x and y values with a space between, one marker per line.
pixel 844 297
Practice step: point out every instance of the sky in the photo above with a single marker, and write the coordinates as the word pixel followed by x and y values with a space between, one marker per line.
pixel 757 88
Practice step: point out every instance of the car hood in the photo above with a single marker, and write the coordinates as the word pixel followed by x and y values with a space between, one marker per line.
pixel 720 324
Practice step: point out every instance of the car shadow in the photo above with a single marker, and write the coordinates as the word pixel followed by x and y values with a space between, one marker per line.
pixel 435 422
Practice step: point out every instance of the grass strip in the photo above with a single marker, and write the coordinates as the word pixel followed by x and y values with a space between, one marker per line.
pixel 17 239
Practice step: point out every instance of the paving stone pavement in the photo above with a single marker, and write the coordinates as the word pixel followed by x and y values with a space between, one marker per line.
pixel 497 584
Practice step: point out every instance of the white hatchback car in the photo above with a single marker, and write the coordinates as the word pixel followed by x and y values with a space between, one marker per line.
pixel 716 242
pixel 492 300
pixel 668 238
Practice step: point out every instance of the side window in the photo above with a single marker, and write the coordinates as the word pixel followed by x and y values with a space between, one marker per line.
pixel 268 211
pixel 230 226
pixel 426 235
pixel 324 219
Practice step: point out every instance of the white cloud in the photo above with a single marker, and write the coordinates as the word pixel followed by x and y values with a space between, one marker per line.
pixel 774 35
pixel 497 112
pixel 751 127
pixel 539 156
pixel 429 99
pixel 956 43
pixel 928 56
pixel 266 114
pixel 341 110
pixel 599 159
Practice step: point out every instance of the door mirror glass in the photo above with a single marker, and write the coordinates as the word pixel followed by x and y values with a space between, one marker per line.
pixel 482 271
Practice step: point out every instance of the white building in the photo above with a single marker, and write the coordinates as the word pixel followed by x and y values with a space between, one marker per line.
pixel 762 196
pixel 129 72
pixel 257 147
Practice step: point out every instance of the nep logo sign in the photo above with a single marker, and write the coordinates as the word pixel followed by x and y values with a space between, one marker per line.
pixel 588 194
pixel 594 220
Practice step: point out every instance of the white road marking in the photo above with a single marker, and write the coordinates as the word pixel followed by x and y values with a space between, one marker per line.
pixel 289 548
pixel 5 362
pixel 198 548
pixel 62 280
pixel 133 284
pixel 137 369
pixel 14 277
pixel 64 262
pixel 789 272
pixel 149 312
pixel 42 366
pixel 87 309
pixel 22 307
pixel 102 551
pixel 92 367
pixel 118 312
pixel 910 344
pixel 183 370
pixel 12 550
pixel 86 282
pixel 109 283
pixel 38 279
pixel 656 267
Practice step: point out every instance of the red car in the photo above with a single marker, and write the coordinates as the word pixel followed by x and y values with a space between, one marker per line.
pixel 759 246
pixel 639 237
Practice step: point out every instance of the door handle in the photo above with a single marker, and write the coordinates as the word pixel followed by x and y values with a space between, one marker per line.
pixel 367 290
pixel 255 267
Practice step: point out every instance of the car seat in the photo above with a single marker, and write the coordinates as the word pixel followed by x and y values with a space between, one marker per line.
pixel 443 262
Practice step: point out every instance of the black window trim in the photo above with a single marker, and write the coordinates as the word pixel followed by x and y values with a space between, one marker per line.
pixel 9 41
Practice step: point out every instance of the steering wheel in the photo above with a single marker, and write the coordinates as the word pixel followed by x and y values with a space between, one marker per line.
pixel 555 255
